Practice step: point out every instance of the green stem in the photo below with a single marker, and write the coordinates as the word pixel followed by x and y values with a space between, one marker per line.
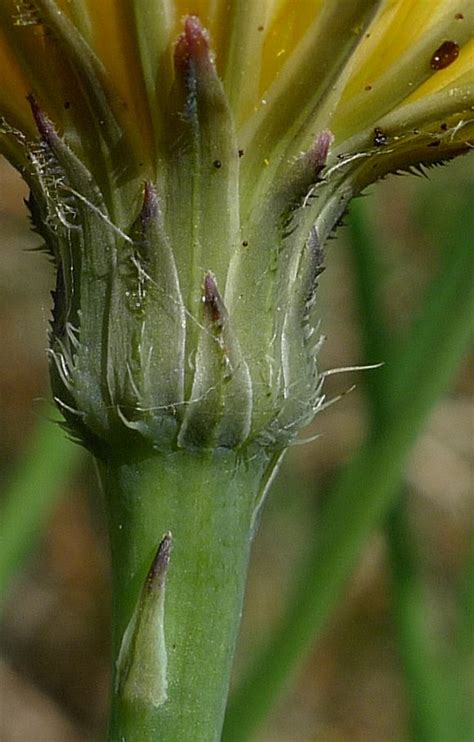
pixel 207 503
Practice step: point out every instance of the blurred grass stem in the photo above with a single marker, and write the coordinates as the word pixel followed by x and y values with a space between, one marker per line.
pixel 429 682
pixel 32 494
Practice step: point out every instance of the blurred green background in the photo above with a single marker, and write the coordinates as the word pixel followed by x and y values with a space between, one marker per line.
pixel 370 676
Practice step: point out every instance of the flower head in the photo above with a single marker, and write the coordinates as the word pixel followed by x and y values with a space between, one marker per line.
pixel 187 160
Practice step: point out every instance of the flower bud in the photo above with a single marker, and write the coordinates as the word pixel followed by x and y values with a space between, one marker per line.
pixel 185 188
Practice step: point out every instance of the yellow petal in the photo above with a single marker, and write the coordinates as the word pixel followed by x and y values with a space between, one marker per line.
pixel 13 90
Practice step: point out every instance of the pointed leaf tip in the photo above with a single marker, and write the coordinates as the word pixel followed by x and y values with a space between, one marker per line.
pixel 212 300
pixel 150 204
pixel 43 124
pixel 143 661
pixel 192 46
pixel 318 153
pixel 159 568
pixel 196 37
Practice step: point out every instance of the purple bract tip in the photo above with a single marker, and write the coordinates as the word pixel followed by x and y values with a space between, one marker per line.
pixel 212 299
pixel 43 124
pixel 159 567
pixel 318 153
pixel 192 45
pixel 150 203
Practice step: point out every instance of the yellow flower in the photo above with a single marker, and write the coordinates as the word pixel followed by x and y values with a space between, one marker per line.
pixel 251 136
pixel 310 64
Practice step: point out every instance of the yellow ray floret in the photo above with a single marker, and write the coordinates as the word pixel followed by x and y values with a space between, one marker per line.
pixel 257 46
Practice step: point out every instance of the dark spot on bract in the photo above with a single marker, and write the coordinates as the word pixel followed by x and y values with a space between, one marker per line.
pixel 212 299
pixel 368 87
pixel 444 127
pixel 67 104
pixel 245 243
pixel 217 164
pixel 459 17
pixel 260 28
pixel 380 137
pixel 445 55
pixel 241 153
pixel 436 143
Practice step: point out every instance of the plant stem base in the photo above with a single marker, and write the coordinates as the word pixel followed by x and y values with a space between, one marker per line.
pixel 207 502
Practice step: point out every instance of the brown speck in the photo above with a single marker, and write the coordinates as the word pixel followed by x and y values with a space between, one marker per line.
pixel 260 28
pixel 245 243
pixel 380 138
pixel 444 127
pixel 436 143
pixel 67 104
pixel 217 164
pixel 241 152
pixel 368 87
pixel 150 204
pixel 212 300
pixel 445 55
pixel 459 17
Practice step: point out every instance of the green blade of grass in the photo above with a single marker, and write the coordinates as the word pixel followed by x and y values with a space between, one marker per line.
pixel 32 494
pixel 433 688
pixel 430 683
pixel 368 279
pixel 465 645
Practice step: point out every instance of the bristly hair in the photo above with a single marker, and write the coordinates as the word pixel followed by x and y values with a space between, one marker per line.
pixel 37 225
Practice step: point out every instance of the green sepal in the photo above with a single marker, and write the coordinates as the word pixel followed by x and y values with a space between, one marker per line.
pixel 202 208
pixel 259 288
pixel 298 348
pixel 147 350
pixel 220 409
